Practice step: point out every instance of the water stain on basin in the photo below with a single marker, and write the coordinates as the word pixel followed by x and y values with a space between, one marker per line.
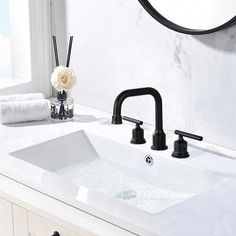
pixel 126 195
pixel 125 184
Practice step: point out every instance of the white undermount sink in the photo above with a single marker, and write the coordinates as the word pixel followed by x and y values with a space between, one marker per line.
pixel 119 171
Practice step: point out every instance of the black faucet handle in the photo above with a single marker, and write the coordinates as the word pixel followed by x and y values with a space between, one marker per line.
pixel 181 146
pixel 138 132
pixel 188 135
pixel 137 122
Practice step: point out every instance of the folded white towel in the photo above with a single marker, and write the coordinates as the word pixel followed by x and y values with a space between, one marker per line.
pixel 15 112
pixel 21 97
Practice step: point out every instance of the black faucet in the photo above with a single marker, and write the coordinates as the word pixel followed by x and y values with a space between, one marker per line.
pixel 159 137
pixel 181 146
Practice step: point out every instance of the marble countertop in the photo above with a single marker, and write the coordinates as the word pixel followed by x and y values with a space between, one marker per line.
pixel 210 213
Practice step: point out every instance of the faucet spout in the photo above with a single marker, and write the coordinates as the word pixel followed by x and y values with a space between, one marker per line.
pixel 159 137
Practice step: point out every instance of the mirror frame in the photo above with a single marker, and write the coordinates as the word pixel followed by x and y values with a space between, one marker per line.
pixel 169 24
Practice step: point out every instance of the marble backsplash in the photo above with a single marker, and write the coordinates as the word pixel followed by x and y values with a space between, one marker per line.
pixel 118 45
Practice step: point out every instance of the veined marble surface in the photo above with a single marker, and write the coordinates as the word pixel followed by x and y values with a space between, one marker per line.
pixel 209 213
pixel 118 45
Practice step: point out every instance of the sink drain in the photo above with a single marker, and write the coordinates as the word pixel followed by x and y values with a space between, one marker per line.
pixel 126 195
pixel 149 160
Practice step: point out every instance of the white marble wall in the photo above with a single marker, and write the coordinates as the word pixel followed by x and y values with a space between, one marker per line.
pixel 117 46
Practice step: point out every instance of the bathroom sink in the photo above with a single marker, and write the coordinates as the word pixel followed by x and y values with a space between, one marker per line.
pixel 150 182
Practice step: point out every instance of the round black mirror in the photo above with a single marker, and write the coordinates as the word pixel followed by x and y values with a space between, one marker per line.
pixel 193 17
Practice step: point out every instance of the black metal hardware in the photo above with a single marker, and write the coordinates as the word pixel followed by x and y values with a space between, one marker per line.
pixel 56 234
pixel 181 146
pixel 171 25
pixel 159 137
pixel 138 122
pixel 137 133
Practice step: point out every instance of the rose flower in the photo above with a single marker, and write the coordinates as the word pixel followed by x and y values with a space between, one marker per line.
pixel 63 78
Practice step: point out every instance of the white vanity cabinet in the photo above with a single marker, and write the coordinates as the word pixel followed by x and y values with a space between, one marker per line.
pixel 17 221
pixel 26 212
pixel 13 219
pixel 6 218
pixel 20 221
pixel 38 226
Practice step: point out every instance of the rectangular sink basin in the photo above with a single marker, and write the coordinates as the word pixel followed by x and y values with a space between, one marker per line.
pixel 151 183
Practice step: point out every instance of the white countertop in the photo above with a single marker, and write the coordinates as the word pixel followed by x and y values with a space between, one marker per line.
pixel 210 213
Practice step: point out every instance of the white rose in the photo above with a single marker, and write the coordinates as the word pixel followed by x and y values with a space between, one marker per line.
pixel 63 78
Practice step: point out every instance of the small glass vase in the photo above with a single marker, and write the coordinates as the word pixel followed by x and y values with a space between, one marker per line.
pixel 62 107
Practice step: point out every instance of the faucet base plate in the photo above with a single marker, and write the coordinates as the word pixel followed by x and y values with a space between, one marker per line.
pixel 138 141
pixel 159 141
pixel 178 155
pixel 159 148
